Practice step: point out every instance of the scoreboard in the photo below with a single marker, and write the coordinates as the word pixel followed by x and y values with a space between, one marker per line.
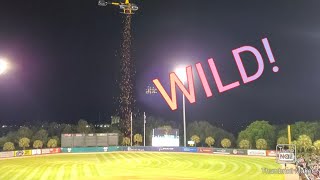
pixel 89 140
pixel 165 137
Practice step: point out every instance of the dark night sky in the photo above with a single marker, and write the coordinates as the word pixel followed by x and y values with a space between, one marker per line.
pixel 65 58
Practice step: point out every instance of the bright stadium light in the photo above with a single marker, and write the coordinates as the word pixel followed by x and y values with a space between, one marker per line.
pixel 4 66
pixel 182 74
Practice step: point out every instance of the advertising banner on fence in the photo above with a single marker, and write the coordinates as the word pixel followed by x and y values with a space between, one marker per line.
pixel 189 149
pixel 252 152
pixel 205 150
pixel 6 154
pixel 55 150
pixel 18 153
pixel 271 153
pixel 136 148
pixel 239 151
pixel 166 149
pixel 23 153
pixel 52 150
pixel 28 152
pixel 221 151
pixel 36 151
pixel 45 151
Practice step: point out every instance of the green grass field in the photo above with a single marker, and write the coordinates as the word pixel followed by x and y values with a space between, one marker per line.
pixel 124 165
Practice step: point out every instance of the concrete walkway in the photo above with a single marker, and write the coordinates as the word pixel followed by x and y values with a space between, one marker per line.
pixel 291 176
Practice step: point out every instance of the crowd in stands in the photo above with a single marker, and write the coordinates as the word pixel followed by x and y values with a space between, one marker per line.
pixel 309 167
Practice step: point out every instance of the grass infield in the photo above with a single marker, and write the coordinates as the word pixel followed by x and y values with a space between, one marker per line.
pixel 137 165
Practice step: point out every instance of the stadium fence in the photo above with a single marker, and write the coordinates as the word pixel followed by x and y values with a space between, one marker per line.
pixel 33 152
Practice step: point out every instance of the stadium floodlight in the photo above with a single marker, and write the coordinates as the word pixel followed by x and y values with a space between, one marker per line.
pixel 4 66
pixel 182 75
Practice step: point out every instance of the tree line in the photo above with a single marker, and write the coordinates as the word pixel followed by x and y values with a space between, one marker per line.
pixel 257 135
pixel 42 135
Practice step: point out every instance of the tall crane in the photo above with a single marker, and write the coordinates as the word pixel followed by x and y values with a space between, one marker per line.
pixel 126 7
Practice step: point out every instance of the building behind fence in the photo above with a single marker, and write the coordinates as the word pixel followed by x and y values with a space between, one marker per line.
pixel 89 140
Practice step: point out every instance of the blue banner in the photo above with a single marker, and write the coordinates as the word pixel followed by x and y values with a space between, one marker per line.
pixel 205 150
pixel 166 149
pixel 136 148
pixel 189 149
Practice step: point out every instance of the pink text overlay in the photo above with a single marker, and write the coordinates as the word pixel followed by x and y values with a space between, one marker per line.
pixel 188 88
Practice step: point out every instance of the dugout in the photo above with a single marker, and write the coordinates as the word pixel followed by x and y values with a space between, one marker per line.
pixel 89 140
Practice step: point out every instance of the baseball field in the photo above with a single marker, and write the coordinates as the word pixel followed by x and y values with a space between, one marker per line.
pixel 137 165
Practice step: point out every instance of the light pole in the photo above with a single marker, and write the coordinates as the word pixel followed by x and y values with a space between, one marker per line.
pixel 144 128
pixel 181 73
pixel 131 128
pixel 184 120
pixel 151 90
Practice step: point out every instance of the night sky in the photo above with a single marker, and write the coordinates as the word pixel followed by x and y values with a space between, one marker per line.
pixel 65 59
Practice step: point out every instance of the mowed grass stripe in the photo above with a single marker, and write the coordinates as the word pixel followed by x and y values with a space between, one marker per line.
pixel 101 158
pixel 5 171
pixel 234 168
pixel 116 161
pixel 155 161
pixel 166 160
pixel 130 164
pixel 47 172
pixel 67 171
pixel 86 171
pixel 17 172
pixel 41 170
pixel 60 172
pixel 144 165
pixel 54 171
pixel 185 162
pixel 74 171
pixel 80 170
pixel 29 170
pixel 33 172
pixel 244 169
pixel 255 165
pixel 93 170
pixel 137 158
pixel 145 162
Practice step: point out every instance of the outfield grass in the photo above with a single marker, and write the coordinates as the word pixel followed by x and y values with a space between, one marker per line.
pixel 151 165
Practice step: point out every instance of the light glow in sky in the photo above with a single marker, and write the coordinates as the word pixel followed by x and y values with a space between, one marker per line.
pixel 3 66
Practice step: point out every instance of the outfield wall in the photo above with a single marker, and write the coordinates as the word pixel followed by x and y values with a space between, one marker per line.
pixel 226 151
pixel 207 150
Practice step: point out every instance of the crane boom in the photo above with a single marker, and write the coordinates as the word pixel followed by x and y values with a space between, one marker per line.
pixel 126 6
